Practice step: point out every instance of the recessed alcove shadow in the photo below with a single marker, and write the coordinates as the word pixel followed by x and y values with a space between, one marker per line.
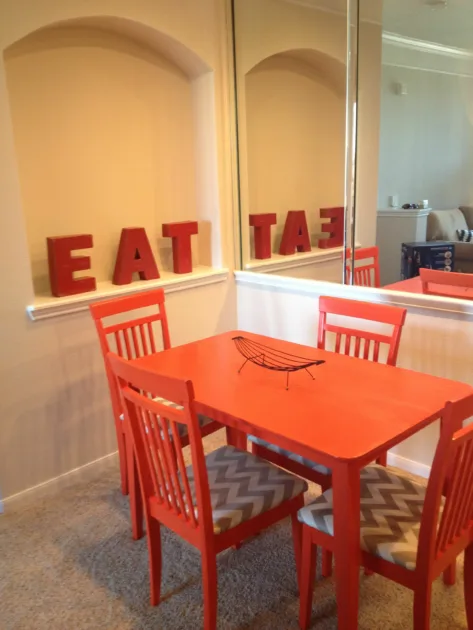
pixel 110 119
pixel 295 136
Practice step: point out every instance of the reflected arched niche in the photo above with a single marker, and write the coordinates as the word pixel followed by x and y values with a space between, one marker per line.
pixel 295 122
pixel 109 118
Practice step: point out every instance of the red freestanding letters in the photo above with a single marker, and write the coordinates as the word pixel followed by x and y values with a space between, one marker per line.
pixel 181 244
pixel 296 234
pixel 262 224
pixel 62 264
pixel 134 256
pixel 334 227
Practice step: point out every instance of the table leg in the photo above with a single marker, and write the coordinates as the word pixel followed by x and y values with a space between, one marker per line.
pixel 236 438
pixel 346 509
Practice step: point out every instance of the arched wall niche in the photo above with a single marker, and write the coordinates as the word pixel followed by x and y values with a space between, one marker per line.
pixel 295 137
pixel 110 117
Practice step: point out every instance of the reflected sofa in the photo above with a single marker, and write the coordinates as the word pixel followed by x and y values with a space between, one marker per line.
pixel 442 225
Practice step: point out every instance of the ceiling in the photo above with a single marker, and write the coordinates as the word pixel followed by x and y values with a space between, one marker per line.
pixel 450 26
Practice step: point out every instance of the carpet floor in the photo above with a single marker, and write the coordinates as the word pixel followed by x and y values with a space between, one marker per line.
pixel 67 562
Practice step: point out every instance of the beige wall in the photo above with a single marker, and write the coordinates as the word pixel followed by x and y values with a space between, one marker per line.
pixel 296 141
pixel 104 137
pixel 426 138
pixel 55 412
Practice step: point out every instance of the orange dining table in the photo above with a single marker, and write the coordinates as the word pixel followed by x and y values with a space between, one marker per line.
pixel 350 412
pixel 414 285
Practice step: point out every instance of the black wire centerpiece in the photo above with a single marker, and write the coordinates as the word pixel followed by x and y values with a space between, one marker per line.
pixel 271 359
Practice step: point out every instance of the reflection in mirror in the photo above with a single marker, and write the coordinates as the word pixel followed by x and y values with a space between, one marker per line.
pixel 424 212
pixel 291 99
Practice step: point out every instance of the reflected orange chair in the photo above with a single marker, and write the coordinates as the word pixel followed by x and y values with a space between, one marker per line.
pixel 131 339
pixel 220 499
pixel 423 531
pixel 448 279
pixel 351 341
pixel 366 274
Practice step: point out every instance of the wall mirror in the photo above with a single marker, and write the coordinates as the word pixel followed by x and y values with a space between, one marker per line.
pixel 291 84
pixel 375 119
pixel 423 123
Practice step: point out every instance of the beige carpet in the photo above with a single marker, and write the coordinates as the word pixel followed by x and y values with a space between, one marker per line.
pixel 68 562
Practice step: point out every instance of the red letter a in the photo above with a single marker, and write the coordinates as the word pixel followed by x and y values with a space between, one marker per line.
pixel 134 256
pixel 296 234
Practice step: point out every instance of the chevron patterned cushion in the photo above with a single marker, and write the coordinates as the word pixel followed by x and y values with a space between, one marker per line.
pixel 293 456
pixel 243 486
pixel 182 428
pixel 391 511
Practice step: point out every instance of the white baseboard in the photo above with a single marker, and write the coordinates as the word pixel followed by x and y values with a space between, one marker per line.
pixel 88 471
pixel 409 465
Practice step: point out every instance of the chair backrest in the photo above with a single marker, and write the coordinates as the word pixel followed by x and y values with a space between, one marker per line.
pixel 182 502
pixel 445 278
pixel 134 337
pixel 452 475
pixel 365 274
pixel 362 344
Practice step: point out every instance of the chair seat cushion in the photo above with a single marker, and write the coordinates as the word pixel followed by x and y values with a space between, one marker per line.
pixel 181 428
pixel 292 456
pixel 391 511
pixel 243 486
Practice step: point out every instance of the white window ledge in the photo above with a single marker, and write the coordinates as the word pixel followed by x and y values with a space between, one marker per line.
pixel 278 262
pixel 45 306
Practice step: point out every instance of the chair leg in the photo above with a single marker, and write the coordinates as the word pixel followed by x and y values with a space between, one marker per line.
pixel 327 556
pixel 382 460
pixel 327 563
pixel 209 587
pixel 306 580
pixel 297 541
pixel 468 585
pixel 450 574
pixel 155 559
pixel 122 458
pixel 422 607
pixel 136 503
pixel 236 438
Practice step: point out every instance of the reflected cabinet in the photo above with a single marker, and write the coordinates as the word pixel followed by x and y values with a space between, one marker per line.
pixel 354 138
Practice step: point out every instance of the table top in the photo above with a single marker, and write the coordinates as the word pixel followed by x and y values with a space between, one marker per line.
pixel 414 285
pixel 351 409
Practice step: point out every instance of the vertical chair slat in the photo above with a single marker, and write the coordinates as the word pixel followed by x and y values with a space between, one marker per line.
pixel 136 345
pixel 144 345
pixel 129 354
pixel 347 344
pixel 153 461
pixel 357 347
pixel 151 337
pixel 338 341
pixel 468 484
pixel 447 524
pixel 118 343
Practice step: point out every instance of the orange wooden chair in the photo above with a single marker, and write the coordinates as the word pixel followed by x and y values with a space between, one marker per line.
pixel 217 501
pixel 366 274
pixel 359 343
pixel 446 279
pixel 130 339
pixel 423 531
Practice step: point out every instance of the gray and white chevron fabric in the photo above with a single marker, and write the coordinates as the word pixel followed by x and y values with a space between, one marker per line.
pixel 292 456
pixel 181 428
pixel 391 511
pixel 243 486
